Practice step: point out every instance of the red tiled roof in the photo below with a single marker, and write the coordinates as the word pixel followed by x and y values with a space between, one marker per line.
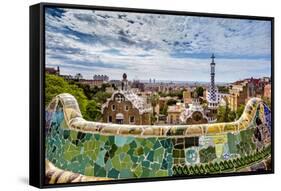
pixel 51 70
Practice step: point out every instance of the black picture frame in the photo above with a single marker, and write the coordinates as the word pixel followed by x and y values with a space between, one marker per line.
pixel 37 87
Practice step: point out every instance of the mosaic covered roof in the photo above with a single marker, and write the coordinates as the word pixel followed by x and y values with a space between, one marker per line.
pixel 137 101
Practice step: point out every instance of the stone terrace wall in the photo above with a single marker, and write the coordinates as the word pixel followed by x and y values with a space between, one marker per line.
pixel 135 151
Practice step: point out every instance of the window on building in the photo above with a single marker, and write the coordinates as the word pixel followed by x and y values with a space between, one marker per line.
pixel 126 107
pixel 109 119
pixel 119 98
pixel 132 119
pixel 113 107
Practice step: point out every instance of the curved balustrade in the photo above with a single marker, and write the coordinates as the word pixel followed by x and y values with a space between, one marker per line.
pixel 75 121
pixel 55 175
pixel 133 151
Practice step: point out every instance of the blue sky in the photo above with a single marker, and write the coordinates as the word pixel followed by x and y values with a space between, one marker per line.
pixel 164 47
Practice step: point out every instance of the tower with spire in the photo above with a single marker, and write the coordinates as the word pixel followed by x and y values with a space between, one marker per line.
pixel 124 83
pixel 212 94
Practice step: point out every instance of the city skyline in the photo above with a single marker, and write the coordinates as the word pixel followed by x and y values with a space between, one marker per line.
pixel 164 47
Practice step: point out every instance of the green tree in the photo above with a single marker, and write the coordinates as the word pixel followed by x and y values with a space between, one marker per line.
pixel 101 97
pixel 178 94
pixel 55 85
pixel 199 90
pixel 222 114
pixel 104 86
pixel 223 89
pixel 87 90
pixel 164 110
pixel 231 115
pixel 171 102
pixel 225 114
pixel 93 111
pixel 239 111
pixel 154 100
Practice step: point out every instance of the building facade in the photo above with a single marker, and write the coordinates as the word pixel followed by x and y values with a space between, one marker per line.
pixel 126 107
pixel 101 77
pixel 53 71
pixel 187 99
pixel 267 91
pixel 195 113
pixel 174 113
pixel 241 91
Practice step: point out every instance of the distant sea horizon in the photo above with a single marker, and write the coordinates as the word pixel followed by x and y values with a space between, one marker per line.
pixel 178 81
pixel 174 82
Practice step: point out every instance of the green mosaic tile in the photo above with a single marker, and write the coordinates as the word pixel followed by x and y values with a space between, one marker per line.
pixel 158 155
pixel 129 157
pixel 146 163
pixel 66 134
pixel 113 173
pixel 138 170
pixel 120 141
pixel 139 151
pixel 126 173
pixel 161 173
pixel 97 136
pixel 116 162
pixel 149 144
pixel 112 150
pixel 100 158
pixel 155 166
pixel 70 152
pixel 99 171
pixel 108 165
pixel 150 156
pixel 178 153
pixel 89 170
pixel 146 172
pixel 157 144
pixel 134 158
pixel 73 135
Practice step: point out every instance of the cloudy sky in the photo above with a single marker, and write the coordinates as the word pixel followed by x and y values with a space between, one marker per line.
pixel 164 47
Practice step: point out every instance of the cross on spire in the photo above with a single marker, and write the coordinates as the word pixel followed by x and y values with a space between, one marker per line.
pixel 213 58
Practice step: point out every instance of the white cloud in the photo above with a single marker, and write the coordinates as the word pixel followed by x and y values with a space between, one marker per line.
pixel 142 44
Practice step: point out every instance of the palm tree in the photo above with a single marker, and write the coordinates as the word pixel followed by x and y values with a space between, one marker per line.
pixel 154 101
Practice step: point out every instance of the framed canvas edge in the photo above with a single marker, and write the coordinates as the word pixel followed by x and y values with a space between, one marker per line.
pixel 39 89
pixel 35 98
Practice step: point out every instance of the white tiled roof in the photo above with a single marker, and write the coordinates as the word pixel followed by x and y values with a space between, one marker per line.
pixel 137 101
pixel 192 108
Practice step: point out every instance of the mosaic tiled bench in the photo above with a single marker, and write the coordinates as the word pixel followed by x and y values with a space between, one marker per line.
pixel 103 151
